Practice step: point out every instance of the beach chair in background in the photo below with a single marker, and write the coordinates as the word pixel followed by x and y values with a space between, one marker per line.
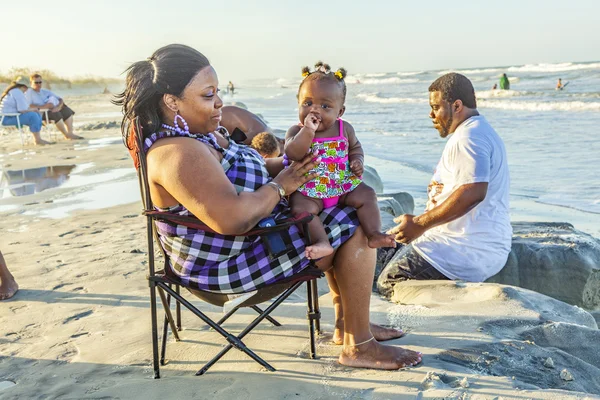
pixel 46 127
pixel 19 127
pixel 168 285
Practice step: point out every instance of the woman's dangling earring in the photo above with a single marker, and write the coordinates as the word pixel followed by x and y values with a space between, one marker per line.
pixel 186 129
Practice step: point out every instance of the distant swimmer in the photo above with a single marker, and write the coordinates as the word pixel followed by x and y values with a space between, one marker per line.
pixel 495 86
pixel 559 84
pixel 230 87
pixel 504 82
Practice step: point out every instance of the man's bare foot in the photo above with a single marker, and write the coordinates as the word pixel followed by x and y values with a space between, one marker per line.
pixel 8 288
pixel 72 136
pixel 381 333
pixel 380 239
pixel 318 250
pixel 378 356
pixel 42 142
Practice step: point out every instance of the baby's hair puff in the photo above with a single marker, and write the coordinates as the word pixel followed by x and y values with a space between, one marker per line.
pixel 323 71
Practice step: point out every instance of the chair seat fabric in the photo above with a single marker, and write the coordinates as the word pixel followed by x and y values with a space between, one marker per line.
pixel 237 264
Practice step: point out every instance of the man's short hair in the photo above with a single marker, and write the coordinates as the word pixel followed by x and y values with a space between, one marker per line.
pixel 454 87
pixel 34 76
pixel 266 144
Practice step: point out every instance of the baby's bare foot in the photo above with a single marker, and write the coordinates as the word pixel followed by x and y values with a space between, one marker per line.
pixel 8 288
pixel 380 239
pixel 381 333
pixel 318 250
pixel 378 356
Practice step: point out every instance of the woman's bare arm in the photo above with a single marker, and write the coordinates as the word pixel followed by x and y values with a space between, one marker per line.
pixel 188 172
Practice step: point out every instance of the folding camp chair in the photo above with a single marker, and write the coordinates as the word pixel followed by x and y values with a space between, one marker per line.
pixel 19 127
pixel 164 281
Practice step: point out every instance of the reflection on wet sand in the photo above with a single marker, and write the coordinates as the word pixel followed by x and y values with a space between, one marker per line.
pixel 33 180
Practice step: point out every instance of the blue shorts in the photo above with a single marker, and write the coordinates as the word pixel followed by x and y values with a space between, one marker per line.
pixel 32 119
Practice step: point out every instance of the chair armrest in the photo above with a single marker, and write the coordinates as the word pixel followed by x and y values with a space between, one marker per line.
pixel 192 222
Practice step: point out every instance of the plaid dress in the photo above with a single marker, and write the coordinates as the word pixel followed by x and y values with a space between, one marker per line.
pixel 237 264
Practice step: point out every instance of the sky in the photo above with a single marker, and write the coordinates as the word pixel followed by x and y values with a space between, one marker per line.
pixel 275 38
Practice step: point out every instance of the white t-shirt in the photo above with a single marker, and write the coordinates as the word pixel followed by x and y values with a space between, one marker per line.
pixel 475 246
pixel 42 97
pixel 14 102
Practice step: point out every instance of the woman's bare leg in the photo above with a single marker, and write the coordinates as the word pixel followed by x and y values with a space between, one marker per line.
pixel 8 285
pixel 380 333
pixel 354 266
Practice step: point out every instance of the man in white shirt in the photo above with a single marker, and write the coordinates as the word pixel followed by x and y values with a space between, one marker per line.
pixel 465 231
pixel 58 111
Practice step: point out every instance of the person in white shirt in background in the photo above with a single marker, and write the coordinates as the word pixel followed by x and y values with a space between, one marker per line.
pixel 465 231
pixel 59 112
pixel 14 101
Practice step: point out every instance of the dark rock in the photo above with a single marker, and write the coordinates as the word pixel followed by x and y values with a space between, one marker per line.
pixel 554 259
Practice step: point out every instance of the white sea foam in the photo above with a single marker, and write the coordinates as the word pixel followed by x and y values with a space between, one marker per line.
pixel 487 94
pixel 560 67
pixel 554 67
pixel 374 98
pixel 388 81
pixel 409 73
pixel 541 106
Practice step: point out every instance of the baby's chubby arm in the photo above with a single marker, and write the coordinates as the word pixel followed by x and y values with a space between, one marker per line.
pixel 356 155
pixel 298 139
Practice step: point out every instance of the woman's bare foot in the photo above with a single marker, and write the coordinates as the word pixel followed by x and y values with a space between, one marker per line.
pixel 8 288
pixel 318 250
pixel 381 333
pixel 380 239
pixel 42 142
pixel 378 356
pixel 73 136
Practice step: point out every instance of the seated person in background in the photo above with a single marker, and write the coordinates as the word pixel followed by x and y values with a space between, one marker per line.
pixel 13 101
pixel 8 285
pixel 465 231
pixel 267 145
pixel 250 124
pixel 58 111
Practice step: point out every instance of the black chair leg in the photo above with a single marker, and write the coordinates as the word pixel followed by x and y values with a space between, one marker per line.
pixel 315 292
pixel 165 333
pixel 226 316
pixel 178 309
pixel 268 317
pixel 168 314
pixel 154 330
pixel 310 314
pixel 237 341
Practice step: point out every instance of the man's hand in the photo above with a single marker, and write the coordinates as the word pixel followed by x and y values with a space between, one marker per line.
pixel 312 121
pixel 356 166
pixel 407 229
pixel 55 109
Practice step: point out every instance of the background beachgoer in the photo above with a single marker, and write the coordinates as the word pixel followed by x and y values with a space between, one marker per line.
pixel 266 144
pixel 14 101
pixel 465 231
pixel 59 112
pixel 504 82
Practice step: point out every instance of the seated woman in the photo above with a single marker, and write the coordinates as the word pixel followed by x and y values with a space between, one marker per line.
pixel 195 169
pixel 13 101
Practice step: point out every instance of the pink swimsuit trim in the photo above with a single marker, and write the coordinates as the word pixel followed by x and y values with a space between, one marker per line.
pixel 333 201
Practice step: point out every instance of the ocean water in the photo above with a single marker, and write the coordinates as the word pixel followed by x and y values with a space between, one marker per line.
pixel 551 136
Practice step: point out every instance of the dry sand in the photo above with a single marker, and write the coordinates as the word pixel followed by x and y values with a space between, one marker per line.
pixel 79 328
